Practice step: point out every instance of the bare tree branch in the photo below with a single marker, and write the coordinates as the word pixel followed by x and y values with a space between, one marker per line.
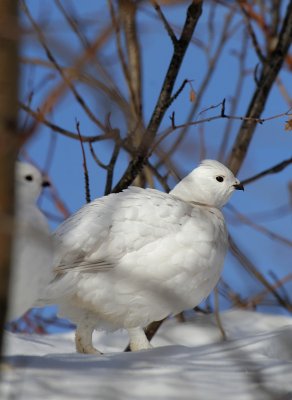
pixel 128 11
pixel 139 159
pixel 269 73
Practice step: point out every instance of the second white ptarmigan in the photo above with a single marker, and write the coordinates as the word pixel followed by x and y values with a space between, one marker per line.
pixel 32 254
pixel 128 259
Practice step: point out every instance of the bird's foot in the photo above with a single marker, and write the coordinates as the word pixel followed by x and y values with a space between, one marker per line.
pixel 138 340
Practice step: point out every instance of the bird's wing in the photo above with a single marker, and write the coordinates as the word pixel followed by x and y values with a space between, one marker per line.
pixel 80 265
pixel 102 232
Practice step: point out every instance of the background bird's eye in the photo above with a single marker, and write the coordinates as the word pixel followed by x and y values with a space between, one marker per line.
pixel 29 177
pixel 219 178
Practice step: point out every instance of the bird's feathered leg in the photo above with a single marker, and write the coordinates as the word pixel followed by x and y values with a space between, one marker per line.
pixel 83 338
pixel 138 339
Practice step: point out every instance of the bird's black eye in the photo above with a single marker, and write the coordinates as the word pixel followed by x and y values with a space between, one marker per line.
pixel 219 178
pixel 29 177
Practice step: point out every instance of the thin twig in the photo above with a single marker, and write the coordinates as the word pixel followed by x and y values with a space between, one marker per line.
pixel 38 116
pixel 244 260
pixel 252 34
pixel 272 170
pixel 259 228
pixel 222 114
pixel 110 169
pixel 258 298
pixel 236 97
pixel 85 169
pixel 50 153
pixel 50 56
pixel 162 180
pixel 96 159
pixel 229 294
pixel 202 143
pixel 217 314
pixel 269 215
pixel 178 92
pixel 58 202
pixel 168 28
pixel 279 284
pixel 72 23
pixel 107 167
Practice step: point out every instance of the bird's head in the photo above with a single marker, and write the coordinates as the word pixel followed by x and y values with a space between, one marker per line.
pixel 28 182
pixel 210 183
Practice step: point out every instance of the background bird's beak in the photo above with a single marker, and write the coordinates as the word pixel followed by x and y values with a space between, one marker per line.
pixel 46 184
pixel 238 186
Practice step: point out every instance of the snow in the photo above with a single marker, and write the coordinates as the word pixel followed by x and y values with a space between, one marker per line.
pixel 189 361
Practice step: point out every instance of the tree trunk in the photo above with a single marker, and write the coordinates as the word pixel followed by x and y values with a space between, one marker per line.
pixel 8 140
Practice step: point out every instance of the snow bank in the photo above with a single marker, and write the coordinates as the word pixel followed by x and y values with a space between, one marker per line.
pixel 255 363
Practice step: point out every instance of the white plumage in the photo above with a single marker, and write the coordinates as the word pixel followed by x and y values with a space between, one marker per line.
pixel 32 255
pixel 128 259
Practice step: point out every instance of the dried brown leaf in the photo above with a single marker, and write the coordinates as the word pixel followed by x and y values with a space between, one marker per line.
pixel 288 125
pixel 192 95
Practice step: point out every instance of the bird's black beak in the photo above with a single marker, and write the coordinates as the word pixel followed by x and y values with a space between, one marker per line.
pixel 238 186
pixel 46 183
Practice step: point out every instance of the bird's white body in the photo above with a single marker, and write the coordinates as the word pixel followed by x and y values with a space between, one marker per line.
pixel 131 258
pixel 32 246
pixel 141 249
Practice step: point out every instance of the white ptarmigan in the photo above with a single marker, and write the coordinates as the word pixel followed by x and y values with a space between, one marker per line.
pixel 32 252
pixel 128 259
